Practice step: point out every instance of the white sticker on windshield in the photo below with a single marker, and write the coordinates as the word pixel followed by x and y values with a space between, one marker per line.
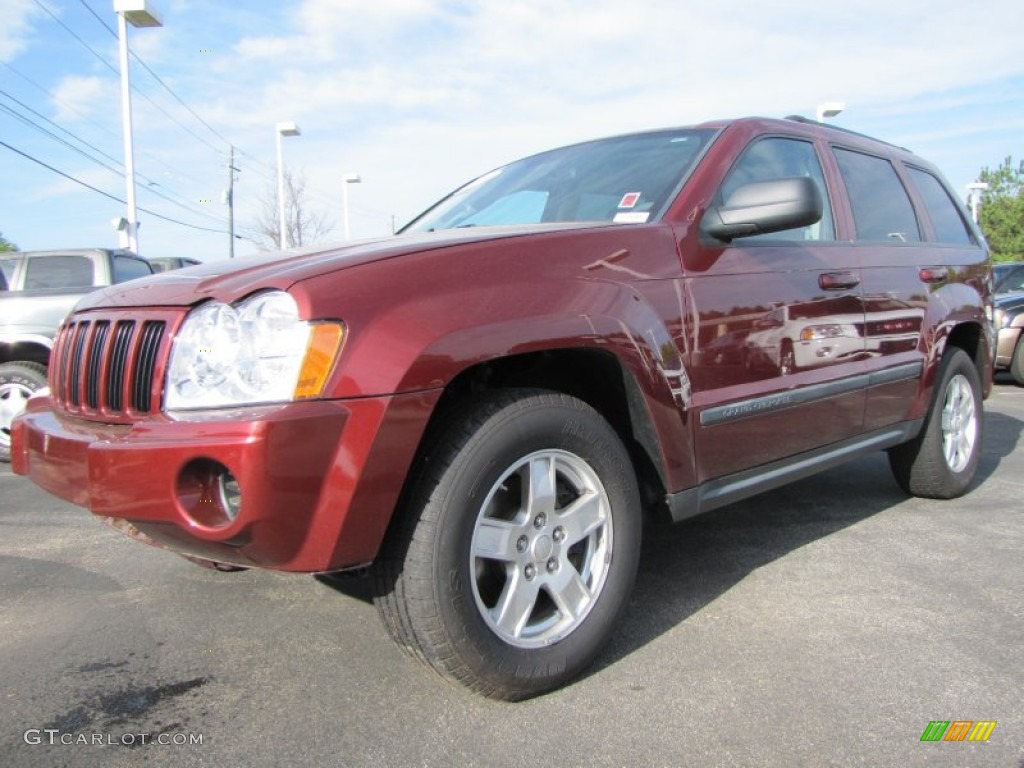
pixel 631 217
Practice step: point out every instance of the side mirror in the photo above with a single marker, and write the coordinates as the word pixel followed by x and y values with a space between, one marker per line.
pixel 765 206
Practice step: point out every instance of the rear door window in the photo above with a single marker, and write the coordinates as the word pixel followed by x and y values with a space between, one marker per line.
pixel 882 210
pixel 945 215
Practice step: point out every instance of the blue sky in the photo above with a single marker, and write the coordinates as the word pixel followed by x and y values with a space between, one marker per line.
pixel 418 96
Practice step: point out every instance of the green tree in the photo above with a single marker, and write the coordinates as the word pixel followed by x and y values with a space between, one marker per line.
pixel 6 245
pixel 1002 210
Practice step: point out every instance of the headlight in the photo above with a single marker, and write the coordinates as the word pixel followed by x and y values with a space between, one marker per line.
pixel 256 352
pixel 817 332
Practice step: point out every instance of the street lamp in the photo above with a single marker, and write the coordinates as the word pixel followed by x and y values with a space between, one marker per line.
pixel 830 109
pixel 348 178
pixel 283 129
pixel 975 191
pixel 138 13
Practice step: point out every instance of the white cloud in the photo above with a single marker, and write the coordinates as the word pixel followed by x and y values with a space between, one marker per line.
pixel 77 96
pixel 418 95
pixel 685 60
pixel 15 15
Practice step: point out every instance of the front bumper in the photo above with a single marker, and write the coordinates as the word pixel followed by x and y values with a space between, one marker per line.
pixel 319 480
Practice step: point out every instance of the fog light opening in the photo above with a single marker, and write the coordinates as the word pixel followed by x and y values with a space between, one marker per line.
pixel 208 494
pixel 230 495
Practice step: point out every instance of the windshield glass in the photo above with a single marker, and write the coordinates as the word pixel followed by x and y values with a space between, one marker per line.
pixel 627 179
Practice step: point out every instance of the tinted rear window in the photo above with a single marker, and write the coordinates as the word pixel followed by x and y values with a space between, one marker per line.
pixel 946 219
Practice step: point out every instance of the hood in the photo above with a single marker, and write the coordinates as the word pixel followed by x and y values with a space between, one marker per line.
pixel 231 280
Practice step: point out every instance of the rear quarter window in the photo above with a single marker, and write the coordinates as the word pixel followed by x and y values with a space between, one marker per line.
pixel 881 207
pixel 945 215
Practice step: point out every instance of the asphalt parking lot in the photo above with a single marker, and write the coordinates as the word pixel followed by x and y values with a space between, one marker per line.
pixel 824 624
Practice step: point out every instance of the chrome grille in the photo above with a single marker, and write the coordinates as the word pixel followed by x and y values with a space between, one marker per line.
pixel 110 365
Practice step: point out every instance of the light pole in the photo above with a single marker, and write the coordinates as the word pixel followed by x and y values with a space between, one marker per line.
pixel 975 191
pixel 283 129
pixel 348 178
pixel 830 109
pixel 138 13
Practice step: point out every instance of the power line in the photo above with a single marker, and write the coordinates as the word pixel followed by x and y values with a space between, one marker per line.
pixel 106 194
pixel 71 32
pixel 116 171
pixel 57 138
pixel 113 69
pixel 86 118
pixel 155 76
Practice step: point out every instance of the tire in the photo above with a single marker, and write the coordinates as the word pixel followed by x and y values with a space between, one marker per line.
pixel 787 359
pixel 1017 362
pixel 942 460
pixel 506 592
pixel 18 382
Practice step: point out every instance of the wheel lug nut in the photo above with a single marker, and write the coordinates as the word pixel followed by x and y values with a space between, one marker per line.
pixel 559 535
pixel 530 572
pixel 521 544
pixel 540 521
pixel 552 565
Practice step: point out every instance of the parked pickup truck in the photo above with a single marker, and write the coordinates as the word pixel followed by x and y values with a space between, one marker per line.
pixel 479 410
pixel 41 288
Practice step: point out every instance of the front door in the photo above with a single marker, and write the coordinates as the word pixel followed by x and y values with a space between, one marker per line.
pixel 776 330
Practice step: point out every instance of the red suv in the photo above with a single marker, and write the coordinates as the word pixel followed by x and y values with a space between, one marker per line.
pixel 480 409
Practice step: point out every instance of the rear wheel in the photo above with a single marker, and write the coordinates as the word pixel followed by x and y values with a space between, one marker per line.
pixel 18 382
pixel 942 460
pixel 517 547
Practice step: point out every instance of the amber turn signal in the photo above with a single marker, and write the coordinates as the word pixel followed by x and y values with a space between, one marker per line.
pixel 321 350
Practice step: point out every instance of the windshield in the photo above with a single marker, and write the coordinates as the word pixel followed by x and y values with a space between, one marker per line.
pixel 628 179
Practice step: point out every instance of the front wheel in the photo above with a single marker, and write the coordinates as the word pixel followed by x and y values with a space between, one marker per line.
pixel 942 460
pixel 517 547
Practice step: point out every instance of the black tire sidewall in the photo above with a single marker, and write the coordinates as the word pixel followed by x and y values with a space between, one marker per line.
pixel 502 442
pixel 957 363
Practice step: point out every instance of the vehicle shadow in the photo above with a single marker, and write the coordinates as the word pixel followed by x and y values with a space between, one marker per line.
pixel 685 567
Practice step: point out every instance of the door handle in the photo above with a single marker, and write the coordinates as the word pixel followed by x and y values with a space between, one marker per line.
pixel 838 281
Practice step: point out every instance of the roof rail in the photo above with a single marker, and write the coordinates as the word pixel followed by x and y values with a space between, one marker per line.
pixel 809 121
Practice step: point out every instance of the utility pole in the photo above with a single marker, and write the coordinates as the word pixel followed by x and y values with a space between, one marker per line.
pixel 231 201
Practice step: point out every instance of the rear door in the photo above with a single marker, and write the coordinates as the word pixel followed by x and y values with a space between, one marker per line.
pixel 915 247
pixel 777 347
